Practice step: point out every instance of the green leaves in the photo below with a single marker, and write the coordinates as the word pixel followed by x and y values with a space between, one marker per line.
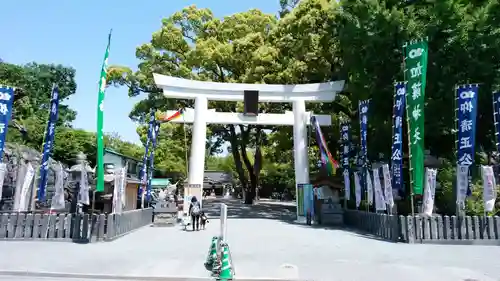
pixel 31 106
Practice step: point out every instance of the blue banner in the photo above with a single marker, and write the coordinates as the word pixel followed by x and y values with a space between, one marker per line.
pixel 308 199
pixel 496 118
pixel 6 99
pixel 397 136
pixel 363 120
pixel 152 158
pixel 466 126
pixel 48 142
pixel 466 123
pixel 346 144
pixel 143 174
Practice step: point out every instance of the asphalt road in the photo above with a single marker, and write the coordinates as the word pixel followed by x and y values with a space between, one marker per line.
pixel 264 243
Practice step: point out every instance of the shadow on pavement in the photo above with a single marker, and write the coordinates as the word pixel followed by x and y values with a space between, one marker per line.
pixel 273 210
pixel 261 210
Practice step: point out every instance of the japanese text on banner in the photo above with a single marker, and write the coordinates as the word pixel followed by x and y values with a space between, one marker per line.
pixel 496 116
pixel 346 149
pixel 397 136
pixel 363 120
pixel 100 118
pixel 389 200
pixel 415 74
pixel 143 173
pixel 49 142
pixel 6 98
pixel 155 132
pixel 346 144
pixel 462 184
pixel 466 123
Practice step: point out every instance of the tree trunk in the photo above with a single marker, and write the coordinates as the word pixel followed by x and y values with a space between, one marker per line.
pixel 233 139
pixel 245 137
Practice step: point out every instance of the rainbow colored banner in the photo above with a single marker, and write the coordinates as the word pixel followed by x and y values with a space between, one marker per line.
pixel 164 118
pixel 326 157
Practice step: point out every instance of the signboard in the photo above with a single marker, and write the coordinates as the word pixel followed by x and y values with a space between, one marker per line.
pixel 191 190
pixel 165 213
pixel 164 206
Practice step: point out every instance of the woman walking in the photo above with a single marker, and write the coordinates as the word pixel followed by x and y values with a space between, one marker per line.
pixel 195 211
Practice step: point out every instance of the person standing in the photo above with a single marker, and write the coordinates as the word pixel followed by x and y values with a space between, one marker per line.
pixel 195 211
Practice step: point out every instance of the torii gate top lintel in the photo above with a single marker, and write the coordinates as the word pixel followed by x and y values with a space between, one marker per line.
pixel 174 87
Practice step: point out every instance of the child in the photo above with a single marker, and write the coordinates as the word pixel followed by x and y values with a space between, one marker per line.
pixel 203 219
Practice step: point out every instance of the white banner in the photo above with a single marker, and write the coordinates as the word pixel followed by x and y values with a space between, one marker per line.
pixel 429 190
pixel 489 188
pixel 347 184
pixel 57 202
pixel 25 190
pixel 462 183
pixel 123 187
pixel 369 187
pixel 379 195
pixel 3 171
pixel 118 191
pixel 83 195
pixel 389 199
pixel 318 191
pixel 357 189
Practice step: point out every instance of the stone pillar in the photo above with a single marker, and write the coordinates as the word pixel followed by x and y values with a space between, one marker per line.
pixel 198 143
pixel 300 148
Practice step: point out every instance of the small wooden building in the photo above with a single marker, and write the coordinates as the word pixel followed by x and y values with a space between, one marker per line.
pixel 114 160
pixel 329 208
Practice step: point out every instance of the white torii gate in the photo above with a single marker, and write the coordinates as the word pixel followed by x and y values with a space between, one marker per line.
pixel 200 116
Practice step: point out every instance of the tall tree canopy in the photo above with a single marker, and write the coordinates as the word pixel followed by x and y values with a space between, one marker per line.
pixel 194 44
pixel 34 83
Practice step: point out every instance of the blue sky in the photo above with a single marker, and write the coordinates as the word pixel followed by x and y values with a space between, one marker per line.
pixel 74 33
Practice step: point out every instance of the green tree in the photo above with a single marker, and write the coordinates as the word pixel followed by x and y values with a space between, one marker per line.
pixel 32 98
pixel 194 44
pixel 34 83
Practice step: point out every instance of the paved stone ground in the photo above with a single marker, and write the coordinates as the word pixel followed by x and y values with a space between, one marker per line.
pixel 264 243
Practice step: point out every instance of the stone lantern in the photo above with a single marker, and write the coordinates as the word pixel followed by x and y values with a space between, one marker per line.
pixel 74 180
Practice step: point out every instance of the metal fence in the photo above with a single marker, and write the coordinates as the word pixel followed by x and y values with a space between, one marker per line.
pixel 72 227
pixel 437 229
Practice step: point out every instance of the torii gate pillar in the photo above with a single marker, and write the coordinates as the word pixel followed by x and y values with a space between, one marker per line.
pixel 202 92
pixel 198 143
pixel 300 149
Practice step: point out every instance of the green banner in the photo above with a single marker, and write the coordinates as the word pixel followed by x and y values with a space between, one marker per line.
pixel 300 200
pixel 100 120
pixel 415 74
